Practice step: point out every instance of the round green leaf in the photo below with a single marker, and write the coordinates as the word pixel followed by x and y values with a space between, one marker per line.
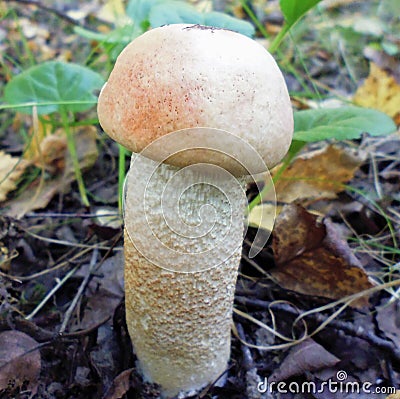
pixel 293 10
pixel 225 21
pixel 139 10
pixel 54 86
pixel 174 12
pixel 342 123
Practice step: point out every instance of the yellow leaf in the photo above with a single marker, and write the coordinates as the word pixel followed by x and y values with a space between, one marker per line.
pixel 38 132
pixel 41 191
pixel 113 11
pixel 11 169
pixel 53 150
pixel 379 91
pixel 262 216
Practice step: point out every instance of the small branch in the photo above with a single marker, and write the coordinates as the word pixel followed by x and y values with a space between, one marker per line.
pixel 92 268
pixel 317 318
pixel 51 10
pixel 52 292
pixel 82 287
pixel 248 362
pixel 42 335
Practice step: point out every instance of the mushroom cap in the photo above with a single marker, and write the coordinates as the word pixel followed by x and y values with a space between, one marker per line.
pixel 189 76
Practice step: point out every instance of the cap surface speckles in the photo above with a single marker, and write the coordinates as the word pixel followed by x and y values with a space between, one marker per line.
pixel 179 76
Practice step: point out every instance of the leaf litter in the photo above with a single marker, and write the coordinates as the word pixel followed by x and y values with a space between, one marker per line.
pixel 92 358
pixel 312 259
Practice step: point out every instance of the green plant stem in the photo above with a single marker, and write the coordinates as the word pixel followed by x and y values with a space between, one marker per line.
pixel 380 209
pixel 74 158
pixel 121 176
pixel 254 18
pixel 293 151
pixel 278 38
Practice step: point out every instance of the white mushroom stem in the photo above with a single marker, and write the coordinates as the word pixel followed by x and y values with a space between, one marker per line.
pixel 180 322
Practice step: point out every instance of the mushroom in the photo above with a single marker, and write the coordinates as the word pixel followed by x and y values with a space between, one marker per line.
pixel 200 108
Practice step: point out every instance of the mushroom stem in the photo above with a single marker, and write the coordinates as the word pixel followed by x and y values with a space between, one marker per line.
pixel 180 321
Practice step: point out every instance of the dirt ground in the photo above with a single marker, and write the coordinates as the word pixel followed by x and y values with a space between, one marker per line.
pixel 62 322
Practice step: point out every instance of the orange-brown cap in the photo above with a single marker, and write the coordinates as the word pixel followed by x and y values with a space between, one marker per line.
pixel 186 76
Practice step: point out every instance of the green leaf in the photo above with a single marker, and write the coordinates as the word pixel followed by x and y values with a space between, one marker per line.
pixel 293 10
pixel 179 12
pixel 221 20
pixel 61 86
pixel 174 12
pixel 139 10
pixel 342 123
pixel 89 34
pixel 121 35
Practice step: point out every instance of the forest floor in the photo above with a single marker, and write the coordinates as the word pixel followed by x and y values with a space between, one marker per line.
pixel 62 322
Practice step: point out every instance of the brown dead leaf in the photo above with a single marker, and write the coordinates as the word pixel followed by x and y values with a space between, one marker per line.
pixel 19 360
pixel 104 292
pixel 394 395
pixel 386 62
pixel 379 91
pixel 37 133
pixel 120 386
pixel 40 192
pixel 11 170
pixel 52 152
pixel 296 231
pixel 306 356
pixel 319 175
pixel 46 150
pixel 388 318
pixel 311 258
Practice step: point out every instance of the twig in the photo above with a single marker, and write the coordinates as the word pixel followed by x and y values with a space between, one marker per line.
pixel 62 242
pixel 92 267
pixel 46 271
pixel 51 10
pixel 52 292
pixel 248 362
pixel 42 335
pixel 82 287
pixel 61 215
pixel 319 318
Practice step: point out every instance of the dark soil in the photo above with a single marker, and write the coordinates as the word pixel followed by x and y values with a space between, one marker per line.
pixel 92 357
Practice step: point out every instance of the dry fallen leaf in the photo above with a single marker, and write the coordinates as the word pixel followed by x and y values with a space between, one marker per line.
pixel 318 175
pixel 263 216
pixel 11 170
pixel 46 150
pixel 37 133
pixel 104 293
pixel 120 386
pixel 383 60
pixel 306 356
pixel 394 395
pixel 40 192
pixel 311 258
pixel 388 318
pixel 19 361
pixel 379 91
